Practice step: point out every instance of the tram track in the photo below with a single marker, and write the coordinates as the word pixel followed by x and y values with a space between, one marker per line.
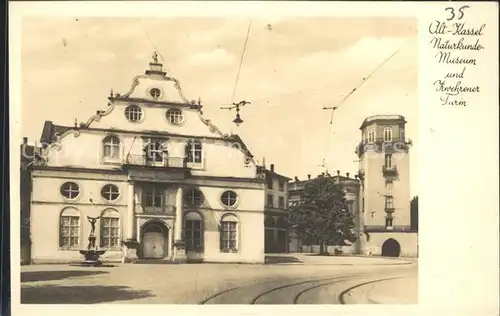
pixel 291 293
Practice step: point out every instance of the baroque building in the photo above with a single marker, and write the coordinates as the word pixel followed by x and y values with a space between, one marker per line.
pixel 159 177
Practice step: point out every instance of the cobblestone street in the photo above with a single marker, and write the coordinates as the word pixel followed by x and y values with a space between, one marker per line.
pixel 287 279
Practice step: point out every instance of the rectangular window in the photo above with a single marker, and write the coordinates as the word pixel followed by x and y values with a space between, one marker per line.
pixel 193 235
pixel 388 184
pixel 153 198
pixel 281 202
pixel 270 202
pixel 371 136
pixel 155 152
pixel 70 232
pixel 389 202
pixel 388 222
pixel 110 232
pixel 281 185
pixel 270 184
pixel 228 236
pixel 388 160
pixel 362 204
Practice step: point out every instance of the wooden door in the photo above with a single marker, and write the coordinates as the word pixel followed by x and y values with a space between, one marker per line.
pixel 154 245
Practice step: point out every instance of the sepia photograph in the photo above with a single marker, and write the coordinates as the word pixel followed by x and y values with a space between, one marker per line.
pixel 219 160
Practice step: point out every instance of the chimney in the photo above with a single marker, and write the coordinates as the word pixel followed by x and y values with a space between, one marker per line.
pixel 296 179
pixel 308 177
pixel 25 140
pixel 272 167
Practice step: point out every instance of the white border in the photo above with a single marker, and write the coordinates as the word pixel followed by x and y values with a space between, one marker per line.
pixel 458 267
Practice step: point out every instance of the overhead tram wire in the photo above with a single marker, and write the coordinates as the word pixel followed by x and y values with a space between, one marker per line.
pixel 352 92
pixel 151 41
pixel 241 61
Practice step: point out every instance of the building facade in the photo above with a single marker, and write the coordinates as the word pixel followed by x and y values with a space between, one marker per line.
pixel 159 177
pixel 384 170
pixel 276 229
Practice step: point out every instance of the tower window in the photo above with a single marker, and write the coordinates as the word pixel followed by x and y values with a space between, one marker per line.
pixel 388 222
pixel 389 202
pixel 388 160
pixel 388 184
pixel 371 135
pixel 387 134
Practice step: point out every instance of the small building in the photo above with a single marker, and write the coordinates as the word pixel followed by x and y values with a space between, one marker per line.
pixel 156 174
pixel 276 228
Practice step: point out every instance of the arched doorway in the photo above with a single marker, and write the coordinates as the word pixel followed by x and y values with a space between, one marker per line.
pixel 155 241
pixel 391 248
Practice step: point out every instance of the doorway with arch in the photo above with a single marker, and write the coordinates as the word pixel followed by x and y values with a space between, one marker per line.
pixel 391 248
pixel 154 241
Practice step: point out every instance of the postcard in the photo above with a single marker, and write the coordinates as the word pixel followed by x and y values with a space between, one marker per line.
pixel 313 157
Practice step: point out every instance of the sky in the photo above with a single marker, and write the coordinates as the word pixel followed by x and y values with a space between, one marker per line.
pixel 291 69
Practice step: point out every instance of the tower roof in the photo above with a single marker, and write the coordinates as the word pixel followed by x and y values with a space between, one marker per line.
pixel 388 118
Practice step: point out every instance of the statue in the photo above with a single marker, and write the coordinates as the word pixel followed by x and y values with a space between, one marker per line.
pixel 92 221
pixel 155 57
pixel 92 254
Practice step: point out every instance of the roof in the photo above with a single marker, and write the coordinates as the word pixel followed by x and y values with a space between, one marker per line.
pixel 393 118
pixel 275 175
pixel 300 185
pixel 50 131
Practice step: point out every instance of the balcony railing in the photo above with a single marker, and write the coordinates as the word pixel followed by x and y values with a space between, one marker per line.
pixel 159 210
pixel 389 170
pixel 379 145
pixel 144 160
pixel 395 228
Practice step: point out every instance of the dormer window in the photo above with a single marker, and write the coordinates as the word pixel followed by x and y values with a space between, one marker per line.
pixel 371 136
pixel 387 134
pixel 155 93
pixel 133 113
pixel 175 117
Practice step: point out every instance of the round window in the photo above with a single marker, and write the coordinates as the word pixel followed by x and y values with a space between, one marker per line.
pixel 70 190
pixel 229 198
pixel 110 192
pixel 133 113
pixel 175 116
pixel 194 197
pixel 155 93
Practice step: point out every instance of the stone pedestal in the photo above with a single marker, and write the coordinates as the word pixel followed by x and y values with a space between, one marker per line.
pixel 130 251
pixel 180 252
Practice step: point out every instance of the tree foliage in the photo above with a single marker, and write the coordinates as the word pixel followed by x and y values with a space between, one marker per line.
pixel 322 215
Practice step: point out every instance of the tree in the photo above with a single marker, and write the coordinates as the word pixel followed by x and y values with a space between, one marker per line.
pixel 322 214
